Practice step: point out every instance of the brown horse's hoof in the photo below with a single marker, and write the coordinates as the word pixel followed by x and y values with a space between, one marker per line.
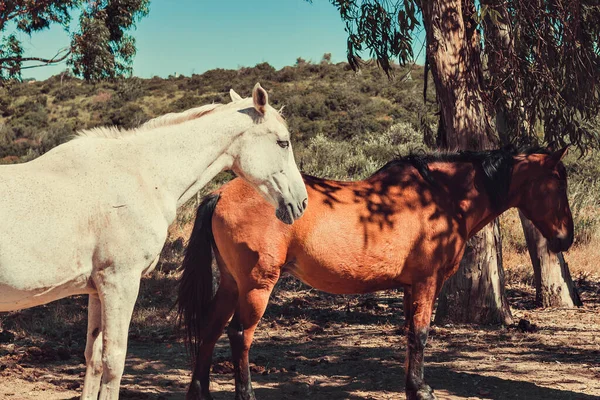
pixel 196 393
pixel 425 392
pixel 196 396
pixel 245 396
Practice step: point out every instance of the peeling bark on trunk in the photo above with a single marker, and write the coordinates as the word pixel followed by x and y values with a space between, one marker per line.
pixel 453 50
pixel 476 293
pixel 500 46
pixel 553 284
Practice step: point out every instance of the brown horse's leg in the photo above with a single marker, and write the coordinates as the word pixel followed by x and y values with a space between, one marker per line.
pixel 422 297
pixel 222 309
pixel 251 307
pixel 407 302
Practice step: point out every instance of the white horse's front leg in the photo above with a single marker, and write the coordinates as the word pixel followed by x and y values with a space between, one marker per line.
pixel 93 350
pixel 118 293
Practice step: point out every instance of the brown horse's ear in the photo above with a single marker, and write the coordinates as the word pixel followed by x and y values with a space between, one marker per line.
pixel 260 98
pixel 551 148
pixel 558 155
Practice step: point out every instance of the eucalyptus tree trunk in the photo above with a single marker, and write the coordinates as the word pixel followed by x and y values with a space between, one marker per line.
pixel 454 56
pixel 475 294
pixel 553 284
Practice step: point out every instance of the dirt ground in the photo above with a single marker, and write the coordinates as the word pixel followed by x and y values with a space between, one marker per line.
pixel 313 345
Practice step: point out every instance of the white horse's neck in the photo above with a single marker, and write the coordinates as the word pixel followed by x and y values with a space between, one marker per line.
pixel 180 159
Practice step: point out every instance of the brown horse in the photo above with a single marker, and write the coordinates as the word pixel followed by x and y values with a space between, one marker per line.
pixel 406 225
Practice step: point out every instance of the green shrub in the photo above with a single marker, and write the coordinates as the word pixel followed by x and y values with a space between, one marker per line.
pixel 29 122
pixel 585 203
pixel 359 157
pixel 7 135
pixel 23 89
pixel 286 74
pixel 129 116
pixel 73 112
pixel 67 91
pixel 5 104
pixel 56 134
pixel 334 159
pixel 185 102
pixel 130 89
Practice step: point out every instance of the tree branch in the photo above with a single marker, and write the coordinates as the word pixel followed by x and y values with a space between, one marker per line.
pixel 46 61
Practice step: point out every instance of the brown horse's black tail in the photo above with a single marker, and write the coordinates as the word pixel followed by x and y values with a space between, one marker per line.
pixel 196 283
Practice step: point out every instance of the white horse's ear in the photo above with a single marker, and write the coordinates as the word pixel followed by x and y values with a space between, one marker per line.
pixel 260 98
pixel 234 95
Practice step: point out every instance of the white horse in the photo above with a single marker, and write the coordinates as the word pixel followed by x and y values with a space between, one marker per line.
pixel 91 215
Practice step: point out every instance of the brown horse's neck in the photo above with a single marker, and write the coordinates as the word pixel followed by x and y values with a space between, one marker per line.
pixel 465 185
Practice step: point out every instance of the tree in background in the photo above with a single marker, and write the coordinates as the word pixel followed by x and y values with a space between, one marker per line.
pixel 100 47
pixel 544 61
pixel 540 84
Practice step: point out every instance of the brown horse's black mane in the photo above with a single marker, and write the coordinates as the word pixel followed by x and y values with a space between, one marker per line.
pixel 496 166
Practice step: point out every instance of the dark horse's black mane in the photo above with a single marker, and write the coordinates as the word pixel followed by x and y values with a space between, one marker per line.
pixel 496 166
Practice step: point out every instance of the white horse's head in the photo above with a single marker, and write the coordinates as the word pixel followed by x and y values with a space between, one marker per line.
pixel 262 155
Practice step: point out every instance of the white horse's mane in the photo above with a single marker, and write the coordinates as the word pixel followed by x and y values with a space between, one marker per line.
pixel 113 132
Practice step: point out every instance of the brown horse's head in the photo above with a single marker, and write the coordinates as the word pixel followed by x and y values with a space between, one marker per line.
pixel 543 197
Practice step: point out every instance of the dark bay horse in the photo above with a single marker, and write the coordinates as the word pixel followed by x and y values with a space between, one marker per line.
pixel 405 226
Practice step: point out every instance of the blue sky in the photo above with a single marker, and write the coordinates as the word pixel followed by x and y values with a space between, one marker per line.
pixel 193 36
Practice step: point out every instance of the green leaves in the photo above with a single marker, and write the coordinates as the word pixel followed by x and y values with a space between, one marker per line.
pixel 384 28
pixel 10 51
pixel 100 47
pixel 542 58
pixel 485 11
pixel 544 63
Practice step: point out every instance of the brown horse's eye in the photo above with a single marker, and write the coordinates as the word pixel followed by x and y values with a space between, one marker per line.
pixel 284 144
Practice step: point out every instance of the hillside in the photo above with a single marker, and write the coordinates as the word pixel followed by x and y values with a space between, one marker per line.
pixel 326 99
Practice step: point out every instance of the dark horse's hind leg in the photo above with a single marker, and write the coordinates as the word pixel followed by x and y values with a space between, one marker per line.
pixel 251 307
pixel 221 310
pixel 422 297
pixel 407 302
pixel 243 382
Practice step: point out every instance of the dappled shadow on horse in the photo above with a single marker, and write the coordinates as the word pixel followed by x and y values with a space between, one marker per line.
pixel 91 215
pixel 405 226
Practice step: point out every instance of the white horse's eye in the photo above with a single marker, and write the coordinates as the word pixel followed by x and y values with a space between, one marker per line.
pixel 284 144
